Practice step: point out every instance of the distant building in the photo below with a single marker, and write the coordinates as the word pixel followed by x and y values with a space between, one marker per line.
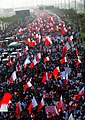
pixel 6 12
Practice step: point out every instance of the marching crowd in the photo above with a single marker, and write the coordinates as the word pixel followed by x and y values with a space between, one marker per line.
pixel 46 79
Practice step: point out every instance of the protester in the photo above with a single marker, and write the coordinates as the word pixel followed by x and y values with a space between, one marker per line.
pixel 46 79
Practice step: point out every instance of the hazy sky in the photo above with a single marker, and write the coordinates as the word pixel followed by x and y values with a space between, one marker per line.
pixel 26 3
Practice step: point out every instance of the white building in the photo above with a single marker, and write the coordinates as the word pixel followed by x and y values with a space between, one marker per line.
pixel 6 12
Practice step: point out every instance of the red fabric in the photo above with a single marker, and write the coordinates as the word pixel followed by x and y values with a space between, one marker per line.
pixel 25 51
pixel 60 105
pixel 55 72
pixel 5 100
pixel 9 63
pixel 31 65
pixel 17 113
pixel 64 50
pixel 76 52
pixel 19 55
pixel 25 87
pixel 69 40
pixel 18 68
pixel 26 41
pixel 62 61
pixel 49 75
pixel 47 43
pixel 37 58
pixel 31 44
pixel 30 108
pixel 11 79
pixel 44 78
pixel 46 59
pixel 65 81
pixel 77 63
pixel 63 32
pixel 40 107
pixel 77 97
pixel 81 93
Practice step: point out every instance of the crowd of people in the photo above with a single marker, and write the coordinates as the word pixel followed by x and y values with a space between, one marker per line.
pixel 46 79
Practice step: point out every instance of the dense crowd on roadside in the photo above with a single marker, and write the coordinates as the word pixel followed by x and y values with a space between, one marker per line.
pixel 55 86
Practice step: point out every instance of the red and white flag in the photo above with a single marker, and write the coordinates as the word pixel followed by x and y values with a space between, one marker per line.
pixel 63 31
pixel 56 71
pixel 78 62
pixel 40 106
pixel 33 116
pixel 49 115
pixel 76 51
pixel 79 95
pixel 33 63
pixel 71 117
pixel 18 109
pixel 27 41
pixel 32 105
pixel 27 61
pixel 18 68
pixel 20 31
pixel 69 28
pixel 28 85
pixel 70 39
pixel 32 43
pixel 13 77
pixel 62 23
pixel 24 51
pixel 4 102
pixel 13 60
pixel 64 51
pixel 19 55
pixel 46 59
pixel 30 108
pixel 48 41
pixel 38 56
pixel 9 61
pixel 60 104
pixel 64 60
pixel 55 111
pixel 45 77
